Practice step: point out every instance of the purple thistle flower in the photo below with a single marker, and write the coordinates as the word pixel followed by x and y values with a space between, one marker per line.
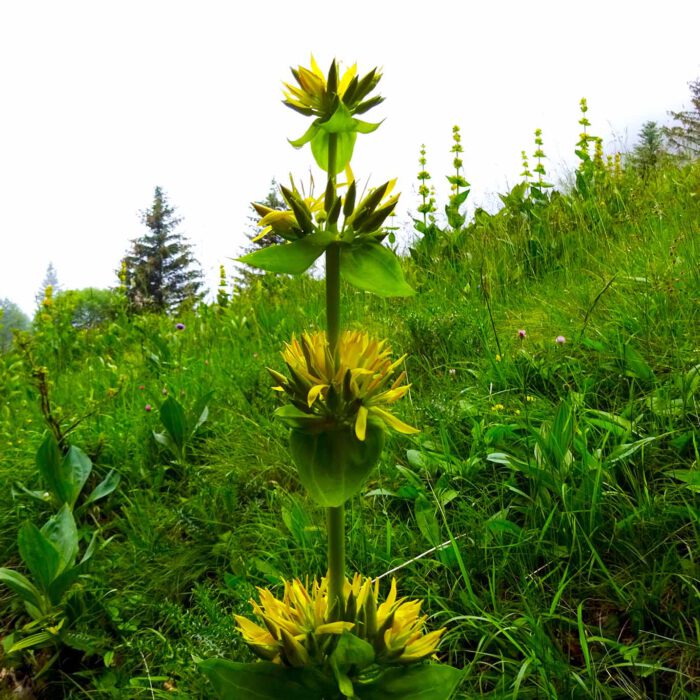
pixel 180 326
pixel 560 340
pixel 521 333
pixel 148 408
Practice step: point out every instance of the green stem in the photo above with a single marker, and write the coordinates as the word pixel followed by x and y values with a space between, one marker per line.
pixel 333 296
pixel 335 520
pixel 335 516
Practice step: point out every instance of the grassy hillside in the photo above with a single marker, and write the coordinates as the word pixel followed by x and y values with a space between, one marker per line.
pixel 547 513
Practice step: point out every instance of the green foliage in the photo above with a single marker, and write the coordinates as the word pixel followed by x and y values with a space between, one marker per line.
pixel 181 425
pixel 547 513
pixel 50 554
pixel 12 318
pixel 66 474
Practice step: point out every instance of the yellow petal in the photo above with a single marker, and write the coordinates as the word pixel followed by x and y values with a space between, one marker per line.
pixel 393 422
pixel 262 234
pixel 347 77
pixel 421 648
pixel 315 392
pixel 361 423
pixel 316 69
pixel 334 627
pixel 253 633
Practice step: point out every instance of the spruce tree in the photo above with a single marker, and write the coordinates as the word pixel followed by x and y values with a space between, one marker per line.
pixel 50 280
pixel 649 151
pixel 685 137
pixel 160 272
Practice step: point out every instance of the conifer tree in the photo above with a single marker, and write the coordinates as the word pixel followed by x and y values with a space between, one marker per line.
pixel 50 280
pixel 160 273
pixel 649 151
pixel 685 137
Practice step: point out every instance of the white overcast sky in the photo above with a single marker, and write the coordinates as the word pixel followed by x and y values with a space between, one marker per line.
pixel 102 101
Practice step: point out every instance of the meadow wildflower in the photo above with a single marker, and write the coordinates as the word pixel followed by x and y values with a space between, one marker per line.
pixel 560 340
pixel 180 326
pixel 148 408
pixel 352 388
pixel 296 630
pixel 522 333
pixel 318 95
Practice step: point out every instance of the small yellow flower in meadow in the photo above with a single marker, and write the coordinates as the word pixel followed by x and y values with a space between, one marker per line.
pixel 497 407
pixel 530 398
pixel 498 358
pixel 297 633
pixel 352 388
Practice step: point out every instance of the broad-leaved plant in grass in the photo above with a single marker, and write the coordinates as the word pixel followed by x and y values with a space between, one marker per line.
pixel 334 637
pixel 51 556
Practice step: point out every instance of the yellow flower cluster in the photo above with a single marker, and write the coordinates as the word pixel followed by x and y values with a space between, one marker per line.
pixel 317 94
pixel 352 387
pixel 297 632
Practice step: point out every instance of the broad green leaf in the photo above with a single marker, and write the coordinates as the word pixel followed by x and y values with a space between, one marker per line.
pixel 691 478
pixel 419 682
pixel 41 556
pixel 200 412
pixel 370 266
pixel 636 366
pixel 22 586
pixel 173 416
pixel 62 583
pixel 61 531
pixel 165 440
pixel 74 472
pixel 288 258
pixel 265 681
pixel 105 487
pixel 48 462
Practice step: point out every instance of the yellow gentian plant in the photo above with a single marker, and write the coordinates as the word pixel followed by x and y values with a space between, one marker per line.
pixel 335 638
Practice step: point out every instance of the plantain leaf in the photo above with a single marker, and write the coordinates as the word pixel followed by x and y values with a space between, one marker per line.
pixel 48 462
pixel 173 416
pixel 104 488
pixel 22 586
pixel 370 266
pixel 39 554
pixel 61 532
pixel 74 472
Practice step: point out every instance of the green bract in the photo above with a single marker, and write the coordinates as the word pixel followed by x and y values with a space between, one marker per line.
pixel 345 126
pixel 333 465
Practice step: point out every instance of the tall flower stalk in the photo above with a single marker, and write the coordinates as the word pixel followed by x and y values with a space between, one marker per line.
pixel 335 637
